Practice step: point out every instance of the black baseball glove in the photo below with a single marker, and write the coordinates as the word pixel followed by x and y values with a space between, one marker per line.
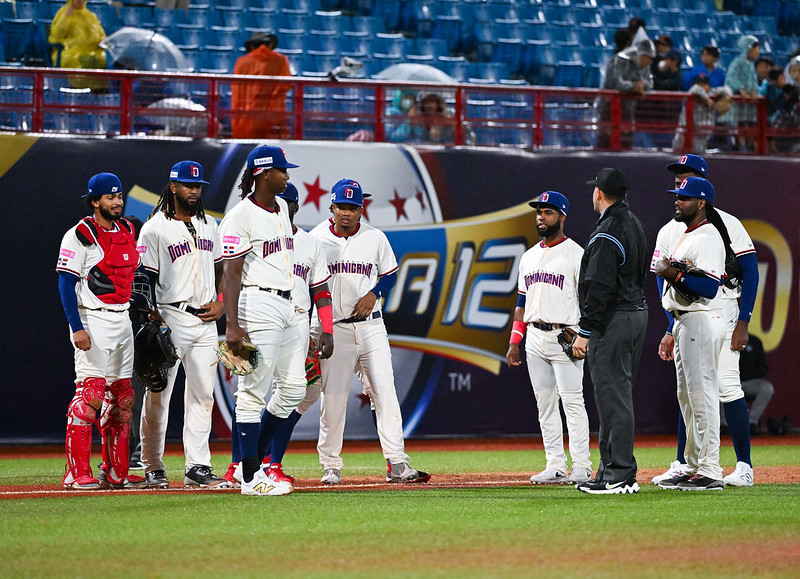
pixel 566 338
pixel 686 268
pixel 154 355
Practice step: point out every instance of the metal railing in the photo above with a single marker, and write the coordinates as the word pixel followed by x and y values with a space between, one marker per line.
pixel 122 103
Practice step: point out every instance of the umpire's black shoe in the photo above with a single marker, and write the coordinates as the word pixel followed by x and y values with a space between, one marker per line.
pixel 672 483
pixel 157 479
pixel 201 476
pixel 598 487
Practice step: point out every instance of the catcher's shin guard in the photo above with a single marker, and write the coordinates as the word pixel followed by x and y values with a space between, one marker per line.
pixel 81 414
pixel 115 428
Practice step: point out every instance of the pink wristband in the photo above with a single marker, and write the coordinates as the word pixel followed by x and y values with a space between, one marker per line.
pixel 325 314
pixel 517 332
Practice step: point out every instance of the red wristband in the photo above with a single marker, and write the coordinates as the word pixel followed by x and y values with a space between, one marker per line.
pixel 219 297
pixel 322 296
pixel 325 314
pixel 517 332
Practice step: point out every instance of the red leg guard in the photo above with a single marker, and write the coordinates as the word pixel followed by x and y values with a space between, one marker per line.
pixel 79 452
pixel 78 445
pixel 115 429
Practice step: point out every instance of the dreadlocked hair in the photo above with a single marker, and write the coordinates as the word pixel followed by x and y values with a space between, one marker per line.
pixel 246 184
pixel 166 203
pixel 733 271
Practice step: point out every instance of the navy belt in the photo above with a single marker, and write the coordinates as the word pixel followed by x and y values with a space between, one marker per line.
pixel 547 327
pixel 285 294
pixel 188 309
pixel 373 316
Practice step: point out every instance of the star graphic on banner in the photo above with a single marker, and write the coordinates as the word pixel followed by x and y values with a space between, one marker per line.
pixel 366 204
pixel 421 198
pixel 399 205
pixel 315 193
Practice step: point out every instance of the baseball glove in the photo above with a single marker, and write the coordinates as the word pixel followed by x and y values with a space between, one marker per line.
pixel 241 361
pixel 687 268
pixel 313 371
pixel 566 338
pixel 154 354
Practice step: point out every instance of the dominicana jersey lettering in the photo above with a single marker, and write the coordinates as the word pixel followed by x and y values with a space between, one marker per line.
pixel 548 278
pixel 264 238
pixel 310 269
pixel 355 263
pixel 185 269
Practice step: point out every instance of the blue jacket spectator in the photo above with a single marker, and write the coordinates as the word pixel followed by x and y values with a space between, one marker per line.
pixel 709 66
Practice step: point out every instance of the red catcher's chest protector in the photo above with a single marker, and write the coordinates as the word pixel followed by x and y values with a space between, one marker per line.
pixel 111 279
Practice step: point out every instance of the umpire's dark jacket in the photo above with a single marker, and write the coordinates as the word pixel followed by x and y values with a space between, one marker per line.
pixel 613 269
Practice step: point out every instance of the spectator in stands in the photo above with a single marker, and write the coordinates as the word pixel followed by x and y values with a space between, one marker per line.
pixel 79 31
pixel 791 71
pixel 708 102
pixel 763 65
pixel 772 90
pixel 628 71
pixel 667 75
pixel 622 39
pixel 635 23
pixel 743 81
pixel 431 121
pixel 663 45
pixel 753 370
pixel 258 109
pixel 709 65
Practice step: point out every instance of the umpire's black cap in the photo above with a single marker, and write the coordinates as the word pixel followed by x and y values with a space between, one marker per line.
pixel 612 182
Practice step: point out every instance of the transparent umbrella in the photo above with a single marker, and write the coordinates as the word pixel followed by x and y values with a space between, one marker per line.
pixel 415 72
pixel 140 49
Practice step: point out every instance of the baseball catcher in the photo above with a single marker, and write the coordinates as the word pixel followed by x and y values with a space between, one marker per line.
pixel 239 361
pixel 154 355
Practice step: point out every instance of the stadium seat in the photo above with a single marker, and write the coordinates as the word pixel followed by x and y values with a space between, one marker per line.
pixel 18 39
pixel 295 19
pixel 508 51
pixel 265 19
pixel 456 66
pixel 569 74
pixel 291 39
pixel 331 22
pixel 203 15
pixel 325 41
pixel 138 16
pixel 33 10
pixel 392 45
pixel 356 44
pixel 434 47
pixel 219 59
pixel 448 28
pixel 234 16
pixel 369 24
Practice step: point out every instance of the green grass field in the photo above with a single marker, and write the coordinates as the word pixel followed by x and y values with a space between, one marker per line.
pixel 512 531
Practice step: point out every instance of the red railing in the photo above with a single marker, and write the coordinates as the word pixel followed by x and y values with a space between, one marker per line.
pixel 115 103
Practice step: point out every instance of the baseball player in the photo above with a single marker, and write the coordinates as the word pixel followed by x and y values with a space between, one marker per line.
pixel 695 304
pixel 548 302
pixel 182 253
pixel 257 246
pixel 363 268
pixel 310 278
pixel 96 265
pixel 738 246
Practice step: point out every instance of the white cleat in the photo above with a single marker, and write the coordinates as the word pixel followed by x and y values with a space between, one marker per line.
pixel 675 469
pixel 332 476
pixel 264 485
pixel 579 475
pixel 550 476
pixel 742 476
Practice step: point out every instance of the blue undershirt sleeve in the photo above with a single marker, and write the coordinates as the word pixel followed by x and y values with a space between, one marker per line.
pixel 701 285
pixel 747 301
pixel 670 318
pixel 385 284
pixel 521 301
pixel 69 299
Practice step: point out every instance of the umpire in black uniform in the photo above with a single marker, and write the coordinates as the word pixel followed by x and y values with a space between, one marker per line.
pixel 612 327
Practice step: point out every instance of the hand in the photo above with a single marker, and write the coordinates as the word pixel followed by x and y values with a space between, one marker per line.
pixel 325 346
pixel 82 340
pixel 666 349
pixel 364 306
pixel 638 86
pixel 662 267
pixel 580 348
pixel 213 313
pixel 155 316
pixel 234 334
pixel 512 356
pixel 741 336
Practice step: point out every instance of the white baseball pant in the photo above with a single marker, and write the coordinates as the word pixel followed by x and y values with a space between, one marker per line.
pixel 730 385
pixel 195 342
pixel 363 345
pixel 271 323
pixel 698 341
pixel 111 354
pixel 554 376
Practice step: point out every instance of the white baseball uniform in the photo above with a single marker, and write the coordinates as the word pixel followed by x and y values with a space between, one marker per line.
pixel 699 333
pixel 185 268
pixel 108 324
pixel 356 263
pixel 548 278
pixel 741 244
pixel 263 237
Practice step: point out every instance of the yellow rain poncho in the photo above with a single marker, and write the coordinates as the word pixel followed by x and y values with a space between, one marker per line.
pixel 79 30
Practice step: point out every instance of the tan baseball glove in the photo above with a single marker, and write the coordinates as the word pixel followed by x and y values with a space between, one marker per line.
pixel 240 361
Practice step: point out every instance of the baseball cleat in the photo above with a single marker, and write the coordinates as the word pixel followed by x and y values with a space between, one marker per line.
pixel 229 475
pixel 741 477
pixel 579 475
pixel 200 476
pixel 275 470
pixel 402 473
pixel 263 485
pixel 596 487
pixel 700 482
pixel 157 479
pixel 550 476
pixel 675 468
pixel 81 483
pixel 672 483
pixel 332 476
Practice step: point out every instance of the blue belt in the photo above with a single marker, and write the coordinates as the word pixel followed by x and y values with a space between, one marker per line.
pixel 372 316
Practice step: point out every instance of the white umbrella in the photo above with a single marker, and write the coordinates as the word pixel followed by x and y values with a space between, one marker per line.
pixel 140 49
pixel 415 72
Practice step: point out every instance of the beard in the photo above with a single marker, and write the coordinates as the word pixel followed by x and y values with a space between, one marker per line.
pixel 684 217
pixel 186 205
pixel 548 231
pixel 106 214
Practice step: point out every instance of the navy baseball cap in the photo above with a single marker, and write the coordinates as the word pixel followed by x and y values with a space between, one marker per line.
pixel 187 172
pixel 695 187
pixel 290 193
pixel 103 184
pixel 552 199
pixel 688 164
pixel 348 191
pixel 268 157
pixel 611 181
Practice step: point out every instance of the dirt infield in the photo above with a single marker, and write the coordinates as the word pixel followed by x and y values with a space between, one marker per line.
pixel 763 475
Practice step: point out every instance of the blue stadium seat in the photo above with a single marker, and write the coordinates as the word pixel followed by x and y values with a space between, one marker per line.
pixel 266 19
pixel 356 44
pixel 434 47
pixel 370 24
pixel 234 16
pixel 295 57
pixel 392 45
pixel 164 18
pixel 569 73
pixel 295 19
pixel 227 36
pixel 319 64
pixel 33 10
pixel 325 41
pixel 509 51
pixel 203 15
pixel 494 71
pixel 448 28
pixel 18 39
pixel 456 66
pixel 196 34
pixel 138 16
pixel 561 15
pixel 332 22
pixel 594 75
pixel 291 39
pixel 589 17
pixel 221 60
